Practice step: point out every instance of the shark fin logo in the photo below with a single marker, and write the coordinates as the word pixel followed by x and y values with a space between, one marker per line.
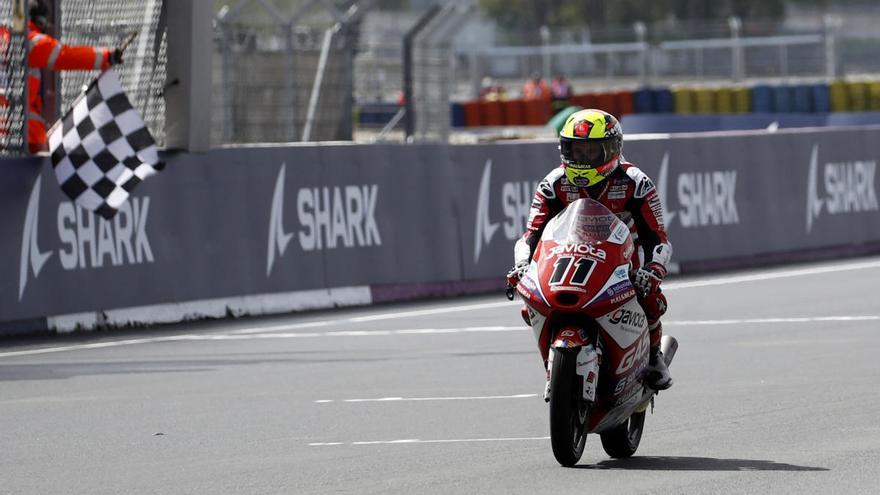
pixel 662 182
pixel 278 239
pixel 484 229
pixel 814 202
pixel 30 252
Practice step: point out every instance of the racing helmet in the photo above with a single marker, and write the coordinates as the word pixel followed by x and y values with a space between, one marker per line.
pixel 589 144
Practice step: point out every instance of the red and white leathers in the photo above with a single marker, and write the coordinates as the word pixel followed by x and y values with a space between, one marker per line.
pixel 631 195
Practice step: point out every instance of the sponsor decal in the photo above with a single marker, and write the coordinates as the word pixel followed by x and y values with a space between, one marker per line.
pixel 635 354
pixel 85 240
pixel 555 288
pixel 849 188
pixel 623 296
pixel 518 203
pixel 544 189
pixel 329 218
pixel 617 190
pixel 706 198
pixel 628 318
pixel 586 249
pixel 643 187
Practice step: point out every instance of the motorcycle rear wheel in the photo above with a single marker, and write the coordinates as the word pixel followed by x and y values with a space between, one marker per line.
pixel 623 440
pixel 567 421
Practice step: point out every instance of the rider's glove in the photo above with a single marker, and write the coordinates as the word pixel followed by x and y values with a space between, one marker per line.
pixel 648 278
pixel 516 273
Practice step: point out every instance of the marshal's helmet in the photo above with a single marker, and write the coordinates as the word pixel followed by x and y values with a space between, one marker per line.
pixel 39 14
pixel 590 145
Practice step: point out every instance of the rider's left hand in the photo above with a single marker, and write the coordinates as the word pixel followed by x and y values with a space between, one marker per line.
pixel 516 273
pixel 648 278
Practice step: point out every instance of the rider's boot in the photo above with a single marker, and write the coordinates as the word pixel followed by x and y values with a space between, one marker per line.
pixel 657 374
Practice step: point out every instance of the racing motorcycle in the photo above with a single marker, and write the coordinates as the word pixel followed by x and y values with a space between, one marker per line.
pixel 591 331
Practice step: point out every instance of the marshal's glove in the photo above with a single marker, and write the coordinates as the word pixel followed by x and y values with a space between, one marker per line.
pixel 115 57
pixel 516 273
pixel 648 278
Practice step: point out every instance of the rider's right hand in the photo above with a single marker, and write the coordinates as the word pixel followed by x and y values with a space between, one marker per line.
pixel 516 273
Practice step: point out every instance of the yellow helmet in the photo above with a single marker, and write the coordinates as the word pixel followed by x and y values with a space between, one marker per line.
pixel 589 144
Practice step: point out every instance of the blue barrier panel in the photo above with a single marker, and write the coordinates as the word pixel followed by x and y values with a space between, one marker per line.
pixel 643 100
pixel 821 99
pixel 802 99
pixel 762 99
pixel 457 114
pixel 663 102
pixel 782 99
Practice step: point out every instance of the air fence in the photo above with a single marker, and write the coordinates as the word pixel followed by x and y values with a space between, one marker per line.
pixel 273 229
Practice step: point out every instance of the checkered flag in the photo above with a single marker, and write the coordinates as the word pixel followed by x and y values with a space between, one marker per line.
pixel 101 149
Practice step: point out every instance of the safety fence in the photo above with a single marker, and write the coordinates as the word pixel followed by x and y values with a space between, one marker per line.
pixel 102 23
pixel 273 229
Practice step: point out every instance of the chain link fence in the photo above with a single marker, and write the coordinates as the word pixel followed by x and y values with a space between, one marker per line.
pixel 13 77
pixel 284 75
pixel 103 23
pixel 108 23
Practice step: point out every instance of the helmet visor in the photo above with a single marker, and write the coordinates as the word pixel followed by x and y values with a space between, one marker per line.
pixel 589 152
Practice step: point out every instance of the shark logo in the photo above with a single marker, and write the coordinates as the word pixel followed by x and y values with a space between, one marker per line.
pixel 705 198
pixel 814 202
pixel 484 229
pixel 30 252
pixel 278 239
pixel 662 182
pixel 849 187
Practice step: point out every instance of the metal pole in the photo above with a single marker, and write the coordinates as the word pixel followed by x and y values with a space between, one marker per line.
pixel 641 31
pixel 736 50
pixel 832 23
pixel 408 39
pixel 319 78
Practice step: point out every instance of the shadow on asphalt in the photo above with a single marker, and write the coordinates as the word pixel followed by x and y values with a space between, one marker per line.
pixel 58 371
pixel 696 464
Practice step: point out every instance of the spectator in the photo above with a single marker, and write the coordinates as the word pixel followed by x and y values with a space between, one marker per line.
pixel 48 53
pixel 536 88
pixel 492 90
pixel 560 90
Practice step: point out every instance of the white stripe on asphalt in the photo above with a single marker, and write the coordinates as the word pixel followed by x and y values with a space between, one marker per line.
pixel 415 440
pixel 404 399
pixel 747 321
pixel 409 331
pixel 738 279
pixel 671 285
pixel 382 316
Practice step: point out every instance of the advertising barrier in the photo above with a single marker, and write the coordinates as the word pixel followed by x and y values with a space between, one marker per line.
pixel 261 230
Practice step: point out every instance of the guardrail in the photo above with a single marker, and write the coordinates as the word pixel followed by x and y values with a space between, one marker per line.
pixel 264 230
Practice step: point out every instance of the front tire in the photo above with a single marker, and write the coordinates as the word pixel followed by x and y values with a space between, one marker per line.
pixel 567 421
pixel 623 440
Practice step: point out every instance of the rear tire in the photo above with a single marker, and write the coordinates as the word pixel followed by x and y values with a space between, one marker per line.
pixel 567 429
pixel 623 440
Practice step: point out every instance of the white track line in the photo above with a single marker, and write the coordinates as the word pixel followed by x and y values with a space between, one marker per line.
pixel 409 331
pixel 669 286
pixel 800 272
pixel 410 441
pixel 419 399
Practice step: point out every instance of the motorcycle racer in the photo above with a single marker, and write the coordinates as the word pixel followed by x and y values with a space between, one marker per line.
pixel 590 145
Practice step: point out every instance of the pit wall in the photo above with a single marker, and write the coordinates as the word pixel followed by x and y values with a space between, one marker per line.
pixel 277 229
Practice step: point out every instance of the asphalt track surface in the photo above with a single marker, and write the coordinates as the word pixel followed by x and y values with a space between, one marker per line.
pixel 777 391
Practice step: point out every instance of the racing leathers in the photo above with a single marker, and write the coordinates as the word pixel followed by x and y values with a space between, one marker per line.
pixel 631 195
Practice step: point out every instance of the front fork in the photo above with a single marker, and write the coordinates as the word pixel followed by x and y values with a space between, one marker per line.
pixel 586 366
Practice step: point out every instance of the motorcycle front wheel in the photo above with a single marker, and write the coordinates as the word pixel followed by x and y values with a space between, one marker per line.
pixel 567 420
pixel 623 440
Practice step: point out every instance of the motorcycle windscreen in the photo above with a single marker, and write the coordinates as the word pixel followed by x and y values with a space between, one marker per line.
pixel 584 221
